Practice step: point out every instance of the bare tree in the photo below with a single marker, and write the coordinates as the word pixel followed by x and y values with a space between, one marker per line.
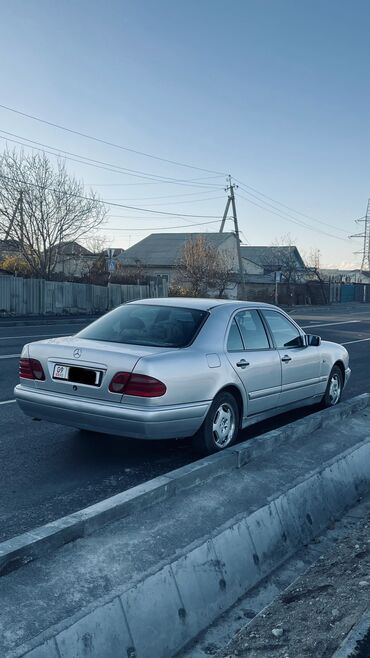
pixel 201 267
pixel 96 243
pixel 283 257
pixel 313 270
pixel 42 206
pixel 222 272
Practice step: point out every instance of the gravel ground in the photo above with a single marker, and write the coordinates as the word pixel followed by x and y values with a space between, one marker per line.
pixel 311 618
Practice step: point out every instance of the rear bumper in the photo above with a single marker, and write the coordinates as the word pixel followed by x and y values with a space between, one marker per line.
pixel 174 421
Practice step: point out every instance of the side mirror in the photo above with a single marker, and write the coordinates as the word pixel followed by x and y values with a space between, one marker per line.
pixel 312 341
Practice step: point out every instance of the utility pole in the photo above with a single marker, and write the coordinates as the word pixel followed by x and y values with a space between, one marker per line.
pixel 365 265
pixel 22 217
pixel 231 201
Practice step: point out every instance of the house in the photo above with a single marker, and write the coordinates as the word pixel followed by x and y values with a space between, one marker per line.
pixel 285 259
pixel 159 253
pixel 72 259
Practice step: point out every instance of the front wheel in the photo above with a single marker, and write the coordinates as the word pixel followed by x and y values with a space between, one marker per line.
pixel 334 388
pixel 220 427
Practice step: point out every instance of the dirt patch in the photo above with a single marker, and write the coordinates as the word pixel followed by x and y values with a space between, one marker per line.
pixel 311 618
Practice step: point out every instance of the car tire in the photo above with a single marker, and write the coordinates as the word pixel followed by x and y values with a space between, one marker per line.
pixel 334 388
pixel 220 427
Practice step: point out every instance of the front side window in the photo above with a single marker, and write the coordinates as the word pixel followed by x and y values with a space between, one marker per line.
pixel 146 324
pixel 252 330
pixel 284 332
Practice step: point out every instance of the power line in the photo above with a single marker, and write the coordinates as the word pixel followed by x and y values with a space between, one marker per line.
pixel 266 203
pixel 114 171
pixel 154 178
pixel 160 228
pixel 145 217
pixel 111 203
pixel 108 143
pixel 166 196
pixel 185 180
pixel 320 221
pixel 175 203
pixel 89 161
pixel 293 221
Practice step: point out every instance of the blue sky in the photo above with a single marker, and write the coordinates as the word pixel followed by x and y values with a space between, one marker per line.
pixel 276 92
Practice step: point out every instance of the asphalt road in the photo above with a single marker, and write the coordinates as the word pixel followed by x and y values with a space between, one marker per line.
pixel 48 470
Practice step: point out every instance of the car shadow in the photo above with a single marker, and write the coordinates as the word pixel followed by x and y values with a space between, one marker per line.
pixel 166 453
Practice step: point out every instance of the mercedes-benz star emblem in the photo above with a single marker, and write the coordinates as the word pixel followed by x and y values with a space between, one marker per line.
pixel 77 353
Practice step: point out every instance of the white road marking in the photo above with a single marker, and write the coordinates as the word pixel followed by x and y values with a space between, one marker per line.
pixel 330 324
pixel 360 340
pixel 10 356
pixel 34 336
pixel 7 401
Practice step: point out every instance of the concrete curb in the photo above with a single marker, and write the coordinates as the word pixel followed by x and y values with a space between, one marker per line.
pixel 31 545
pixel 184 596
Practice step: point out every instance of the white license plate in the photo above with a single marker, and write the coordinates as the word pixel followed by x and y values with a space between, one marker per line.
pixel 61 372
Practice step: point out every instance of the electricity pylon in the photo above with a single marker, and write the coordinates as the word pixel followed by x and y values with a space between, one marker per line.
pixel 365 265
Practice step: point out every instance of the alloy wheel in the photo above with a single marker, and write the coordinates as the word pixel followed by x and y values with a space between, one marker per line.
pixel 335 389
pixel 223 426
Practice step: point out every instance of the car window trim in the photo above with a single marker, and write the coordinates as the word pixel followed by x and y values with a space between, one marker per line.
pixel 248 349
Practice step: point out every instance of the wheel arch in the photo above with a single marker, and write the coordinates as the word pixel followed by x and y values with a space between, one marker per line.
pixel 341 366
pixel 235 391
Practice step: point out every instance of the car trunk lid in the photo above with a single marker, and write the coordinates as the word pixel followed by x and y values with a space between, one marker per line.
pixel 84 368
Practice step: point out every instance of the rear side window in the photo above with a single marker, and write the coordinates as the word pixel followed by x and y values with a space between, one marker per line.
pixel 234 339
pixel 148 325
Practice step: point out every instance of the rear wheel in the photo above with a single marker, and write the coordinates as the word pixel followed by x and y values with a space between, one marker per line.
pixel 220 427
pixel 334 388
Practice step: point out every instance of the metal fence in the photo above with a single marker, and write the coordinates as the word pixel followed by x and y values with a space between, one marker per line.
pixel 350 292
pixel 39 297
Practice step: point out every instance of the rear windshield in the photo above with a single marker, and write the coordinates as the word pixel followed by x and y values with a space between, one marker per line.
pixel 144 324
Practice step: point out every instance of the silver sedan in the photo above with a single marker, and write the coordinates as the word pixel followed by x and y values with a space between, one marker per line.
pixel 166 368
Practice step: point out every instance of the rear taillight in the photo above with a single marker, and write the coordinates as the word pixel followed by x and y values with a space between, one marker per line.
pixel 119 382
pixel 139 385
pixel 145 387
pixel 31 369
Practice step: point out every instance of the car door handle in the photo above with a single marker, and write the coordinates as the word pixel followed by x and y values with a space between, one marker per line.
pixel 286 358
pixel 242 363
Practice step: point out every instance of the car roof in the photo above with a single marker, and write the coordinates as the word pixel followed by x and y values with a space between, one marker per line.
pixel 203 304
